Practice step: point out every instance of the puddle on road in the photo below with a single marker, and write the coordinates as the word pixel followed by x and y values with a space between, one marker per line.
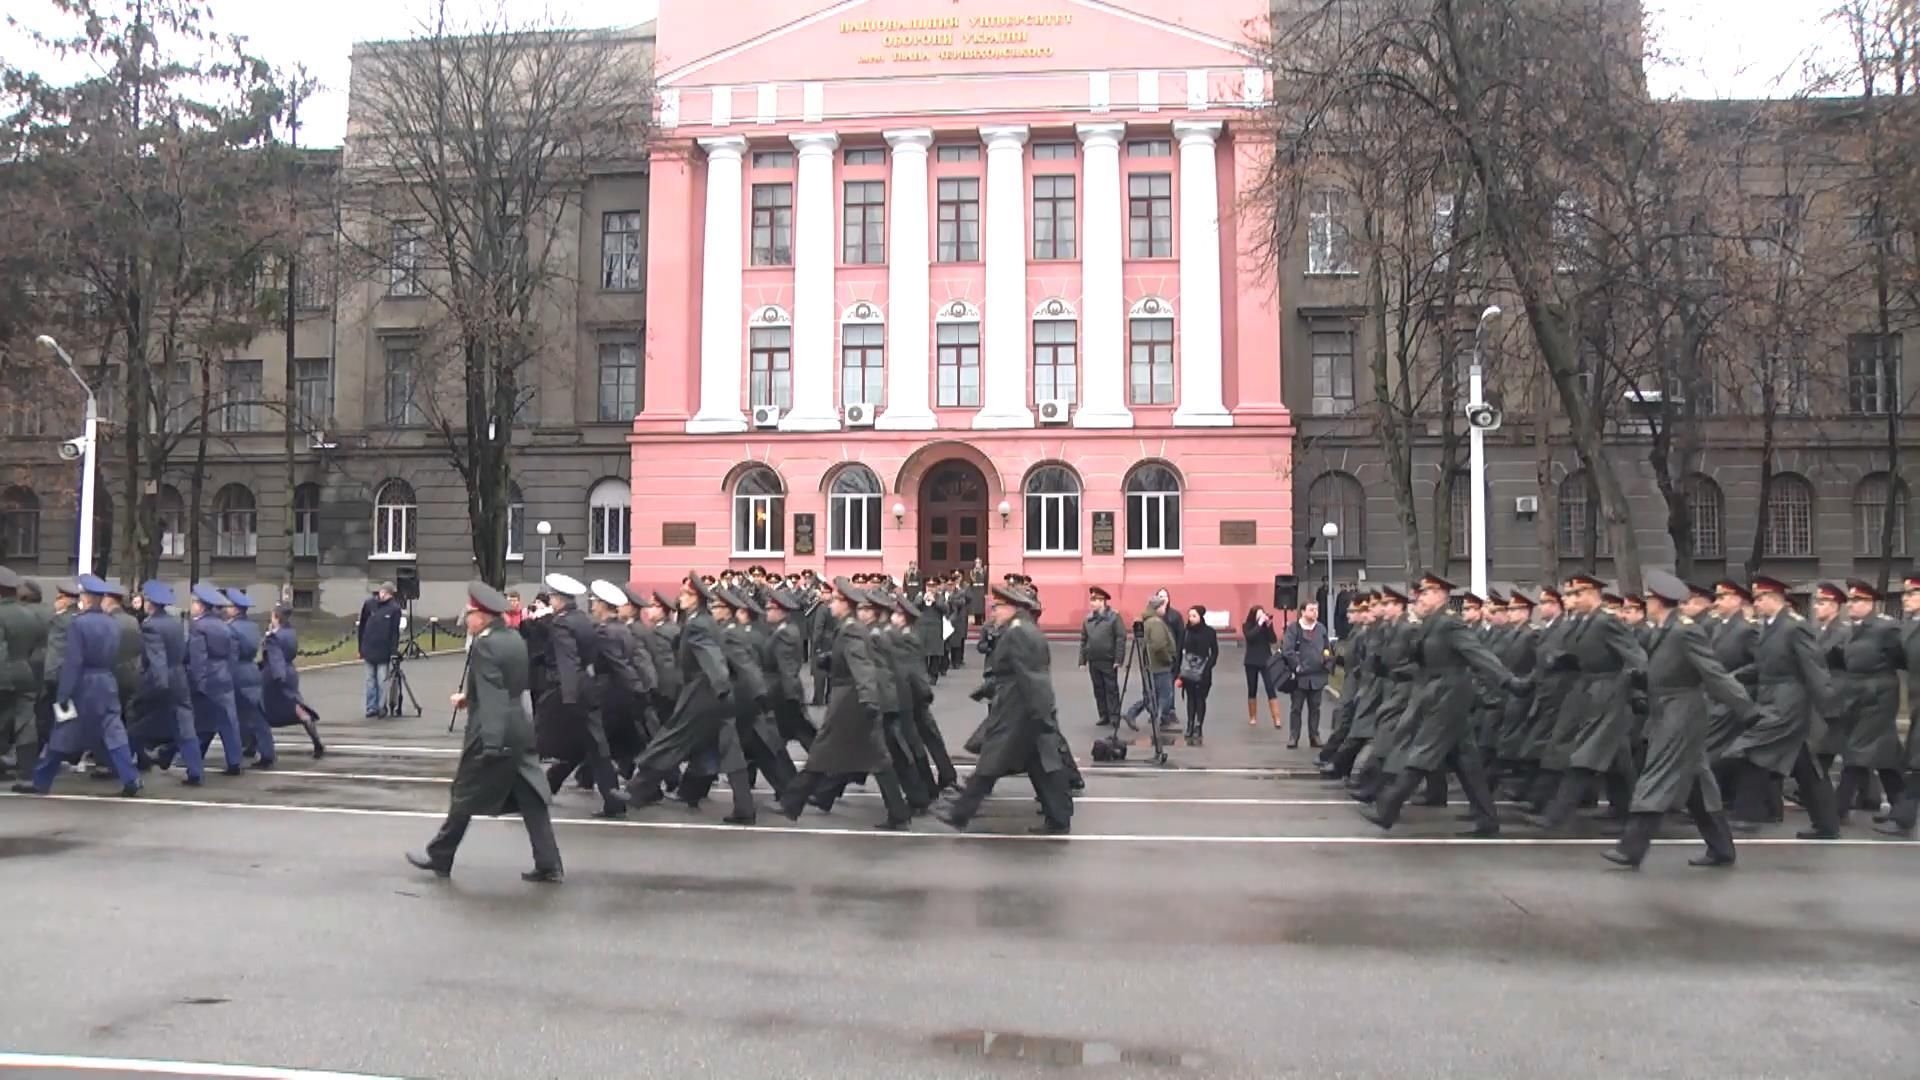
pixel 1060 1053
pixel 27 847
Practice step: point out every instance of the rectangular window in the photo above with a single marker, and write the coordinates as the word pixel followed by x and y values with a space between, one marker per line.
pixel 241 390
pixel 959 365
pixel 619 380
pixel 853 526
pixel 623 256
pixel 516 530
pixel 1053 523
pixel 1150 216
pixel 1151 365
pixel 957 153
pixel 1053 217
pixel 407 260
pixel 1055 360
pixel 773 159
pixel 1873 374
pixel 313 277
pixel 1150 148
pixel 863 235
pixel 772 367
pixel 862 365
pixel 1329 240
pixel 1332 372
pixel 1053 151
pixel 959 207
pixel 773 224
pixel 306 524
pixel 402 384
pixel 609 530
pixel 173 400
pixel 313 391
pixel 867 156
pixel 1153 523
pixel 25 419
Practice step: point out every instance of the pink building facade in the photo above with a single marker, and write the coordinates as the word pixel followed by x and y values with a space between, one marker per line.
pixel 940 280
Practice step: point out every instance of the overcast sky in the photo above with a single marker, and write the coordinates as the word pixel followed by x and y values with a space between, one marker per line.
pixel 1722 48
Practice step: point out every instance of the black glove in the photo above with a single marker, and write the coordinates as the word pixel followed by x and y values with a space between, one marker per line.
pixel 1378 663
pixel 1638 703
pixel 1519 687
pixel 1747 676
pixel 1637 678
pixel 873 715
pixel 983 692
pixel 1837 659
pixel 1564 662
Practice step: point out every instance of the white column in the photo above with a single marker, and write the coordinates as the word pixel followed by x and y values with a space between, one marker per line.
pixel 813 308
pixel 1103 305
pixel 1201 404
pixel 909 363
pixel 721 316
pixel 1003 380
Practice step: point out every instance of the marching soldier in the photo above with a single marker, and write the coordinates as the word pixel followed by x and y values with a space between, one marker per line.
pixel 1905 815
pixel 163 704
pixel 659 635
pixel 1872 657
pixel 280 684
pixel 701 722
pixel 499 771
pixel 1732 633
pixel 87 714
pixel 1360 687
pixel 566 715
pixel 1519 652
pixel 22 632
pixel 1374 727
pixel 66 605
pixel 1594 728
pixel 1793 682
pixel 784 658
pixel 821 628
pixel 210 676
pixel 1833 720
pixel 918 728
pixel 615 673
pixel 249 699
pixel 1551 687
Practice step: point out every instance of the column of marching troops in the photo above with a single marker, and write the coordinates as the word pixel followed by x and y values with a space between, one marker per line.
pixel 132 685
pixel 1686 698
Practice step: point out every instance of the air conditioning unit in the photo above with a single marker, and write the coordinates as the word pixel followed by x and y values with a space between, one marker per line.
pixel 766 416
pixel 1054 411
pixel 860 414
pixel 1526 505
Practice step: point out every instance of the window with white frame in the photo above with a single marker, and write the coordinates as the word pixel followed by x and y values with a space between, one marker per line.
pixel 862 363
pixel 171 510
pixel 623 251
pixel 1329 235
pixel 853 512
pixel 516 523
pixel 958 364
pixel 1706 508
pixel 610 520
pixel 1873 374
pixel 1056 360
pixel 770 353
pixel 1150 361
pixel 1874 500
pixel 306 521
pixel 1153 511
pixel 396 513
pixel 1053 511
pixel 1789 523
pixel 1332 370
pixel 408 259
pixel 236 519
pixel 759 513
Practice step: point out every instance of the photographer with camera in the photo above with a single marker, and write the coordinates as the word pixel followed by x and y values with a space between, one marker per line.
pixel 1156 690
pixel 379 633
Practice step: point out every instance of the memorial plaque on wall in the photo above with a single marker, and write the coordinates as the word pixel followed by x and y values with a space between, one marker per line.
pixel 1239 533
pixel 1103 532
pixel 676 534
pixel 803 534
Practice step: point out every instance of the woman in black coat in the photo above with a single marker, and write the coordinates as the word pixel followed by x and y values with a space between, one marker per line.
pixel 1259 635
pixel 1199 651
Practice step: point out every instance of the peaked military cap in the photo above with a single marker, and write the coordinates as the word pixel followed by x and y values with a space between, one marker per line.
pixel 484 597
pixel 566 585
pixel 1016 596
pixel 1768 585
pixel 607 592
pixel 1577 582
pixel 1729 587
pixel 1825 590
pixel 238 598
pixel 9 579
pixel 1433 581
pixel 1519 599
pixel 1860 590
pixel 905 606
pixel 1098 593
pixel 1666 587
pixel 158 593
pixel 202 592
pixel 67 587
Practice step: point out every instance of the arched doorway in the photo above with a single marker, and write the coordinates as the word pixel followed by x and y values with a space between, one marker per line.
pixel 953 518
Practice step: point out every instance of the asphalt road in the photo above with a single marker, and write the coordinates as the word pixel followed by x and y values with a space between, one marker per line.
pixel 1222 918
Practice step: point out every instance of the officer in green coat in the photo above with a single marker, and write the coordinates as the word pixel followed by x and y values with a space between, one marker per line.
pixel 1792 683
pixel 23 632
pixel 1905 815
pixel 1873 657
pixel 1595 725
pixel 499 771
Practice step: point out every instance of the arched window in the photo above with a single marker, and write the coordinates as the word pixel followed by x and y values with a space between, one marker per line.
pixel 306 521
pixel 171 510
pixel 1707 507
pixel 1338 498
pixel 853 512
pixel 1577 512
pixel 19 524
pixel 1789 518
pixel 236 522
pixel 1053 512
pixel 516 522
pixel 610 519
pixel 395 517
pixel 1873 500
pixel 759 513
pixel 1153 511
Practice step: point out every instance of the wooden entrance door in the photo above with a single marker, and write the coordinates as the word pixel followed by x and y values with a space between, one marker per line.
pixel 953 518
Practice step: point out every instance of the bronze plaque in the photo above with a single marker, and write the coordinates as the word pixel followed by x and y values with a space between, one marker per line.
pixel 803 534
pixel 1239 533
pixel 676 534
pixel 1103 532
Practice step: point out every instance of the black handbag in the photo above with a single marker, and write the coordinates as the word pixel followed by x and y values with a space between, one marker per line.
pixel 1285 683
pixel 1193 667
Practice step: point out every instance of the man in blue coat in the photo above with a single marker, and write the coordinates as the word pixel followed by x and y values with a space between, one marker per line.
pixel 249 703
pixel 162 704
pixel 210 675
pixel 87 699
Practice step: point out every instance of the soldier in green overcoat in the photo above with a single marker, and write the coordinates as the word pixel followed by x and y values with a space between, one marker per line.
pixel 1873 657
pixel 1792 683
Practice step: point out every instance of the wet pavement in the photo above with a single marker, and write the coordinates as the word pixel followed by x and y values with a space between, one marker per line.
pixel 1223 918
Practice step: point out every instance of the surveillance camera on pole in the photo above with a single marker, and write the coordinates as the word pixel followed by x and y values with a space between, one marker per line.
pixel 74 449
pixel 81 449
pixel 1483 417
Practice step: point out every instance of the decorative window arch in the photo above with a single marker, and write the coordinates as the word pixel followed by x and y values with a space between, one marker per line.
pixel 1873 499
pixel 1150 351
pixel 1053 511
pixel 1707 508
pixel 306 521
pixel 516 522
pixel 1789 520
pixel 19 524
pixel 236 518
pixel 957 310
pixel 863 313
pixel 1337 497
pixel 396 517
pixel 1055 307
pixel 1153 510
pixel 1577 509
pixel 759 513
pixel 610 519
pixel 771 315
pixel 854 512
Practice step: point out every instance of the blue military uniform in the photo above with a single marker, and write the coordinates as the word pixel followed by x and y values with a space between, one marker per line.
pixel 87 684
pixel 281 690
pixel 250 709
pixel 163 704
pixel 210 676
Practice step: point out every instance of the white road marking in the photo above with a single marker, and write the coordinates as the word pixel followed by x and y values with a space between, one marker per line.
pixel 1384 840
pixel 170 1068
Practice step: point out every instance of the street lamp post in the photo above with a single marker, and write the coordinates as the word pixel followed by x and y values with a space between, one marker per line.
pixel 88 441
pixel 1477 459
pixel 545 529
pixel 1331 532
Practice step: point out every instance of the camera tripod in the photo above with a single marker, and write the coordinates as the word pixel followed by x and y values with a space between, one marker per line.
pixel 399 689
pixel 1137 661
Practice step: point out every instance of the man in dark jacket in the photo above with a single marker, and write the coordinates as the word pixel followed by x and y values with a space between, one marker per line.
pixel 379 632
pixel 1103 645
pixel 567 715
pixel 1308 656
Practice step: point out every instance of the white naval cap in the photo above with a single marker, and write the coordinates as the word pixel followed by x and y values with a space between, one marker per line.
pixel 608 592
pixel 565 585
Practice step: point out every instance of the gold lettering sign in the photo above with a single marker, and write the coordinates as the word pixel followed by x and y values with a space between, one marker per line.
pixel 952 37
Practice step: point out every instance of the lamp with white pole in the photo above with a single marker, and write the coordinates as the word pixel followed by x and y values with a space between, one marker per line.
pixel 87 442
pixel 545 529
pixel 1331 532
pixel 1477 457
